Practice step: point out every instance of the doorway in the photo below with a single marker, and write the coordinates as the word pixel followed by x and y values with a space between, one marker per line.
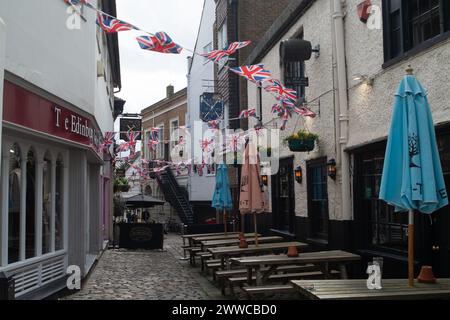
pixel 283 197
pixel 318 199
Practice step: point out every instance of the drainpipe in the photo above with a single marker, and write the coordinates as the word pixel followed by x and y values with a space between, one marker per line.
pixel 342 108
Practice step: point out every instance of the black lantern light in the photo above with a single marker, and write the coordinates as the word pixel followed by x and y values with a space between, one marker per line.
pixel 298 174
pixel 331 165
pixel 265 179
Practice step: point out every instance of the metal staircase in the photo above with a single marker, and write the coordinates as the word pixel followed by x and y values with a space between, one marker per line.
pixel 176 196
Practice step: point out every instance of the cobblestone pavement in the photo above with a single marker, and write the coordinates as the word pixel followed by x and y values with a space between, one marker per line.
pixel 147 275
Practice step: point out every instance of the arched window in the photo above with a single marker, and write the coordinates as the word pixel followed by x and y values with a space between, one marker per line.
pixel 59 198
pixel 46 203
pixel 31 205
pixel 15 173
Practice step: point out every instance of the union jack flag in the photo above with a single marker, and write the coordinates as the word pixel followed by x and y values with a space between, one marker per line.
pixel 217 55
pixel 254 73
pixel 213 124
pixel 152 144
pixel 112 25
pixel 160 42
pixel 108 139
pixel 247 114
pixel 277 87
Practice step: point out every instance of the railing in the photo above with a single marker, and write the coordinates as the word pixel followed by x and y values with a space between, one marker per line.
pixel 34 273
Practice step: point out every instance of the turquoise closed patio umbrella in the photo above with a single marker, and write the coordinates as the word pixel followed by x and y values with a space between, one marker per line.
pixel 412 174
pixel 222 194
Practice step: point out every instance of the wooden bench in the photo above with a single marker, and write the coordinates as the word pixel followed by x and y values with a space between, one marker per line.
pixel 281 278
pixel 223 275
pixel 270 289
pixel 192 251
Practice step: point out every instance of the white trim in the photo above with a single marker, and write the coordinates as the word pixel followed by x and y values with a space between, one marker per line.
pixel 4 208
pixel 161 138
pixel 23 205
pixel 38 205
pixel 155 115
pixel 52 204
pixel 32 261
pixel 173 143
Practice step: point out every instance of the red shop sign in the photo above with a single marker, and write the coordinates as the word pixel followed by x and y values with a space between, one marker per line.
pixel 29 110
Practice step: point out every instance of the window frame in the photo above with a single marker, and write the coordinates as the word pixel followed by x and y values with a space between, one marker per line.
pixel 407 49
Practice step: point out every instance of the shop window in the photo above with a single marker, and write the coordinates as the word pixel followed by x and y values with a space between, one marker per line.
pixel 59 197
pixel 30 235
pixel 410 23
pixel 15 174
pixel 46 204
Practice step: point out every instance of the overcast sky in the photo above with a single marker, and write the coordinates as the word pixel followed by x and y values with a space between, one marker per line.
pixel 146 74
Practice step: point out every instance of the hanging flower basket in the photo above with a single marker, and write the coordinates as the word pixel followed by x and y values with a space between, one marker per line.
pixel 302 141
pixel 302 145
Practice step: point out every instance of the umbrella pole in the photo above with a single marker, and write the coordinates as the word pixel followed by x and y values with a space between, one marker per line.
pixel 225 220
pixel 411 249
pixel 256 229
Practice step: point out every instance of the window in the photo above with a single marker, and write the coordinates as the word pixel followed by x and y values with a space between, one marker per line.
pixel 59 198
pixel 385 228
pixel 160 147
pixel 409 23
pixel 15 178
pixel 207 49
pixel 318 198
pixel 222 41
pixel 294 74
pixel 31 205
pixel 174 132
pixel 46 204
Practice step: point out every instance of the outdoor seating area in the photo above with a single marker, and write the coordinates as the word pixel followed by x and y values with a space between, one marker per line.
pixel 253 266
pixel 261 266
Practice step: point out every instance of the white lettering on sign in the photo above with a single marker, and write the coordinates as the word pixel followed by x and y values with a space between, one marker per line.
pixel 75 124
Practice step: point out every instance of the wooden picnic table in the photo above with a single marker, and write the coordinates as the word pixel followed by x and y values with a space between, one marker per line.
pixel 225 253
pixel 190 236
pixel 196 240
pixel 230 242
pixel 322 259
pixel 393 289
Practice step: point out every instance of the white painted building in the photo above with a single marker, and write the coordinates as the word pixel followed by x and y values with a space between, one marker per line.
pixel 201 80
pixel 352 85
pixel 56 187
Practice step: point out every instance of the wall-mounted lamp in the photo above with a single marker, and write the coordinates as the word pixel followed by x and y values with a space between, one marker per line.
pixel 265 180
pixel 331 166
pixel 363 79
pixel 298 174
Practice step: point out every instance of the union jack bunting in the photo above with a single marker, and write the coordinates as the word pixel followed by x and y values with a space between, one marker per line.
pixel 217 55
pixel 213 124
pixel 205 143
pixel 160 42
pixel 254 73
pixel 108 139
pixel 277 87
pixel 75 2
pixel 247 114
pixel 152 145
pixel 112 25
pixel 304 111
pixel 132 136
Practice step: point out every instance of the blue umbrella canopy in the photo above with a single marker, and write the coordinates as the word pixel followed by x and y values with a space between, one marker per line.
pixel 412 175
pixel 222 193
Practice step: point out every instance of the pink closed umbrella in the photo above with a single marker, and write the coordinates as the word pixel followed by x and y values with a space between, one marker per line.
pixel 253 198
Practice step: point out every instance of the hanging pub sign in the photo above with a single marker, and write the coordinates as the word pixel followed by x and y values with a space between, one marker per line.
pixel 211 108
pixel 297 81
pixel 130 124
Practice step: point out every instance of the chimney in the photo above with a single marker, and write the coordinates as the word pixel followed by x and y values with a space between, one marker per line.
pixel 170 91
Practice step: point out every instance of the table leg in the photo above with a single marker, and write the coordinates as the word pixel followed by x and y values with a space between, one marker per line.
pixel 249 275
pixel 343 270
pixel 268 273
pixel 258 275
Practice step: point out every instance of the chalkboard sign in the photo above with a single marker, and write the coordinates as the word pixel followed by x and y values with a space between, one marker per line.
pixel 141 236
